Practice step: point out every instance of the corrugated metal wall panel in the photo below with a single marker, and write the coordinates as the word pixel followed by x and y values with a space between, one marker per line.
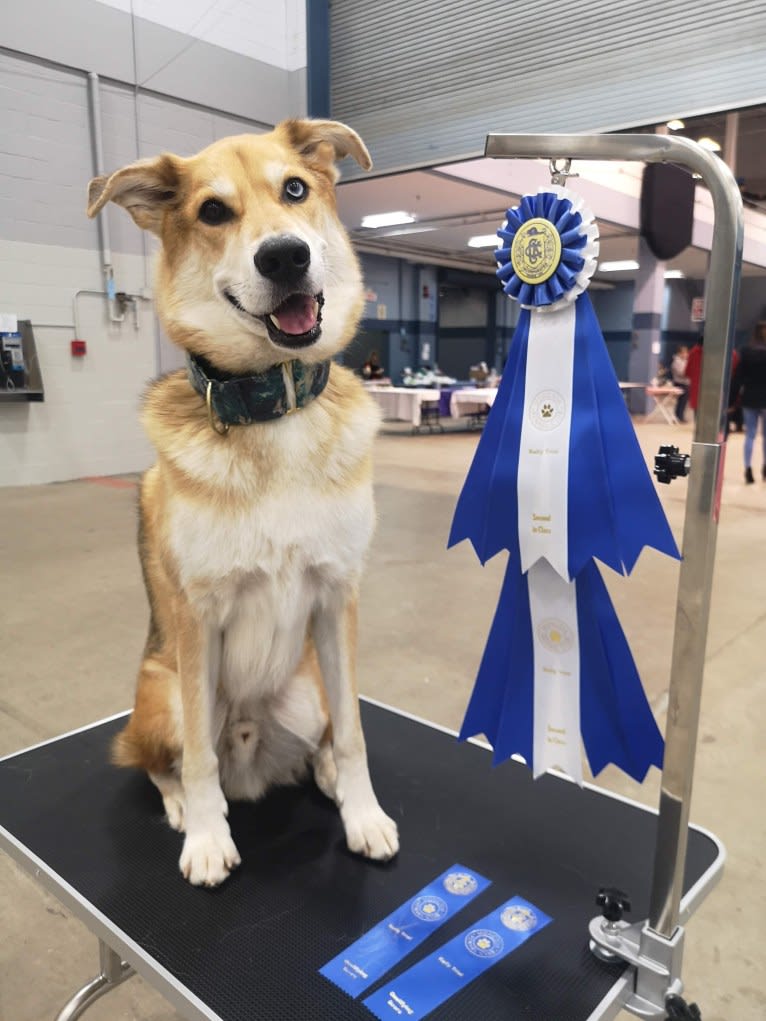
pixel 425 80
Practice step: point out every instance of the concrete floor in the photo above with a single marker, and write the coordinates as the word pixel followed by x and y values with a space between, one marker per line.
pixel 74 620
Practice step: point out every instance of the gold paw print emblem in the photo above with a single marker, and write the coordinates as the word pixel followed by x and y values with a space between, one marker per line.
pixel 547 411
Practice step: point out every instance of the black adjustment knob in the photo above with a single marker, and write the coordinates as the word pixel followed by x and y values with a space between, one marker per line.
pixel 669 464
pixel 613 903
pixel 679 1010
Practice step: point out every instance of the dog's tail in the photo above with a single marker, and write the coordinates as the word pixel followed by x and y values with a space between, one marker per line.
pixel 153 736
pixel 134 750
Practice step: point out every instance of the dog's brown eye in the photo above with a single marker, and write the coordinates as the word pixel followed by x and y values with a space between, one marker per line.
pixel 213 212
pixel 296 190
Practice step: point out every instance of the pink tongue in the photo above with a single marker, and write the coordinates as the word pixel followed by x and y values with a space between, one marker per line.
pixel 296 314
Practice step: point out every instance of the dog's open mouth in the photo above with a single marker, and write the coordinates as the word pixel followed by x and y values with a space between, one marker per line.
pixel 296 322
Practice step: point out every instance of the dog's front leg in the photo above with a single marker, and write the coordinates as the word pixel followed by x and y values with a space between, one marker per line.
pixel 208 853
pixel 369 831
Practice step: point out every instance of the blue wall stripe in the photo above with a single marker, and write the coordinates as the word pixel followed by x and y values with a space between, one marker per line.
pixel 646 320
pixel 318 58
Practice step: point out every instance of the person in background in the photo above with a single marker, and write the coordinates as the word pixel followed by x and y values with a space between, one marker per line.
pixel 735 418
pixel 680 380
pixel 749 383
pixel 372 369
pixel 694 373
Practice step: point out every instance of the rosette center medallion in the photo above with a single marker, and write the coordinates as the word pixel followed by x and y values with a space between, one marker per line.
pixel 536 251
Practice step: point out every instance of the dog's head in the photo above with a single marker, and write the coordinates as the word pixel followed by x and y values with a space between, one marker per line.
pixel 255 266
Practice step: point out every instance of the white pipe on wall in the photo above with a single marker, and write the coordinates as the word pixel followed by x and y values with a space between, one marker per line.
pixel 94 108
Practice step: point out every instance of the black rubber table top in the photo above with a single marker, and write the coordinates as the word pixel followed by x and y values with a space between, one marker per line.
pixel 251 949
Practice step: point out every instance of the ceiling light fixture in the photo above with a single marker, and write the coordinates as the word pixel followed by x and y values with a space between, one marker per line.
pixel 417 229
pixel 674 274
pixel 675 125
pixel 709 143
pixel 484 241
pixel 617 267
pixel 387 219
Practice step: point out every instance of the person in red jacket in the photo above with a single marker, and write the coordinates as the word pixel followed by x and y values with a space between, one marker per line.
pixel 694 372
pixel 694 375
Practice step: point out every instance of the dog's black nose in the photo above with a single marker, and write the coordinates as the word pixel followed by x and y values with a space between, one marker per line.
pixel 284 259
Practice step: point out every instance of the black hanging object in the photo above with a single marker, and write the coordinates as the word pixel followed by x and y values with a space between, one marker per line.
pixel 667 209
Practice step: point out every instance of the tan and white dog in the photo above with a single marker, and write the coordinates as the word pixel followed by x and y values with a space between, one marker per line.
pixel 254 522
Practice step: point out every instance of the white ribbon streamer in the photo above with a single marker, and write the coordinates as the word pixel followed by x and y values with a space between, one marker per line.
pixel 543 476
pixel 556 648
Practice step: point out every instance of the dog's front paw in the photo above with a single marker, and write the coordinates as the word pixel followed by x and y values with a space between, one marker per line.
pixel 208 858
pixel 371 833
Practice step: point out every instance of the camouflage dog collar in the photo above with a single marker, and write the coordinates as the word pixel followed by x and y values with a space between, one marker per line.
pixel 242 400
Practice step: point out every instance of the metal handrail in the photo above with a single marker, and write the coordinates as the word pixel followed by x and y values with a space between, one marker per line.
pixel 701 517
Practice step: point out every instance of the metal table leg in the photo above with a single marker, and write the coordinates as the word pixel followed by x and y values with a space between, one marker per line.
pixel 114 971
pixel 664 406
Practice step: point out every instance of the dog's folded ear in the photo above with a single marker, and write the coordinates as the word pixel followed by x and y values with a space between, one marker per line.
pixel 146 189
pixel 323 142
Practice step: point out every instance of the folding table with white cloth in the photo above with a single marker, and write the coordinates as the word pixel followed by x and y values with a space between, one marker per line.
pixel 664 398
pixel 403 404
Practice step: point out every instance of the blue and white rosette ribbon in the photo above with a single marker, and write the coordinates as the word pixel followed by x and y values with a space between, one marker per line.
pixel 558 220
pixel 559 479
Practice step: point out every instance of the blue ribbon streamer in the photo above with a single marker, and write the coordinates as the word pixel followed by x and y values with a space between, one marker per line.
pixel 616 721
pixel 613 508
pixel 502 704
pixel 487 509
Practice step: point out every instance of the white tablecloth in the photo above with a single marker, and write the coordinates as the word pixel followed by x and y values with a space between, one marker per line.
pixel 471 402
pixel 402 403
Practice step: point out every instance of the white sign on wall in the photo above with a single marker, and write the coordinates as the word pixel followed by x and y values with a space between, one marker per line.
pixel 698 310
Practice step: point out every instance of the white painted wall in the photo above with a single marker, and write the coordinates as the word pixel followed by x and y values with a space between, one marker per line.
pixel 88 423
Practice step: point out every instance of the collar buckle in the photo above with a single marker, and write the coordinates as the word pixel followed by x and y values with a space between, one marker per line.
pixel 215 423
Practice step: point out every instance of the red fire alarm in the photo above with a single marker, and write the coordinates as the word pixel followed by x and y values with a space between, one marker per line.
pixel 79 348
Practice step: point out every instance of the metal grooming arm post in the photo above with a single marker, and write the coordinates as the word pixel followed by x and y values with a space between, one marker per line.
pixel 660 936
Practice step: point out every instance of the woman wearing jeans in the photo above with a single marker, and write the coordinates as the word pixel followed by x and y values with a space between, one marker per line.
pixel 750 381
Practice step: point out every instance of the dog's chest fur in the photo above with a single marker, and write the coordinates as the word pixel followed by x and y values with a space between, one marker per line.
pixel 278 521
pixel 258 574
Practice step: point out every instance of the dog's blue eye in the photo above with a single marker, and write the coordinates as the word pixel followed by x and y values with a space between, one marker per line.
pixel 213 212
pixel 296 190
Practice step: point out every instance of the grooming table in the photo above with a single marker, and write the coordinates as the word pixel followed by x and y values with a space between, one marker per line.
pixel 250 950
